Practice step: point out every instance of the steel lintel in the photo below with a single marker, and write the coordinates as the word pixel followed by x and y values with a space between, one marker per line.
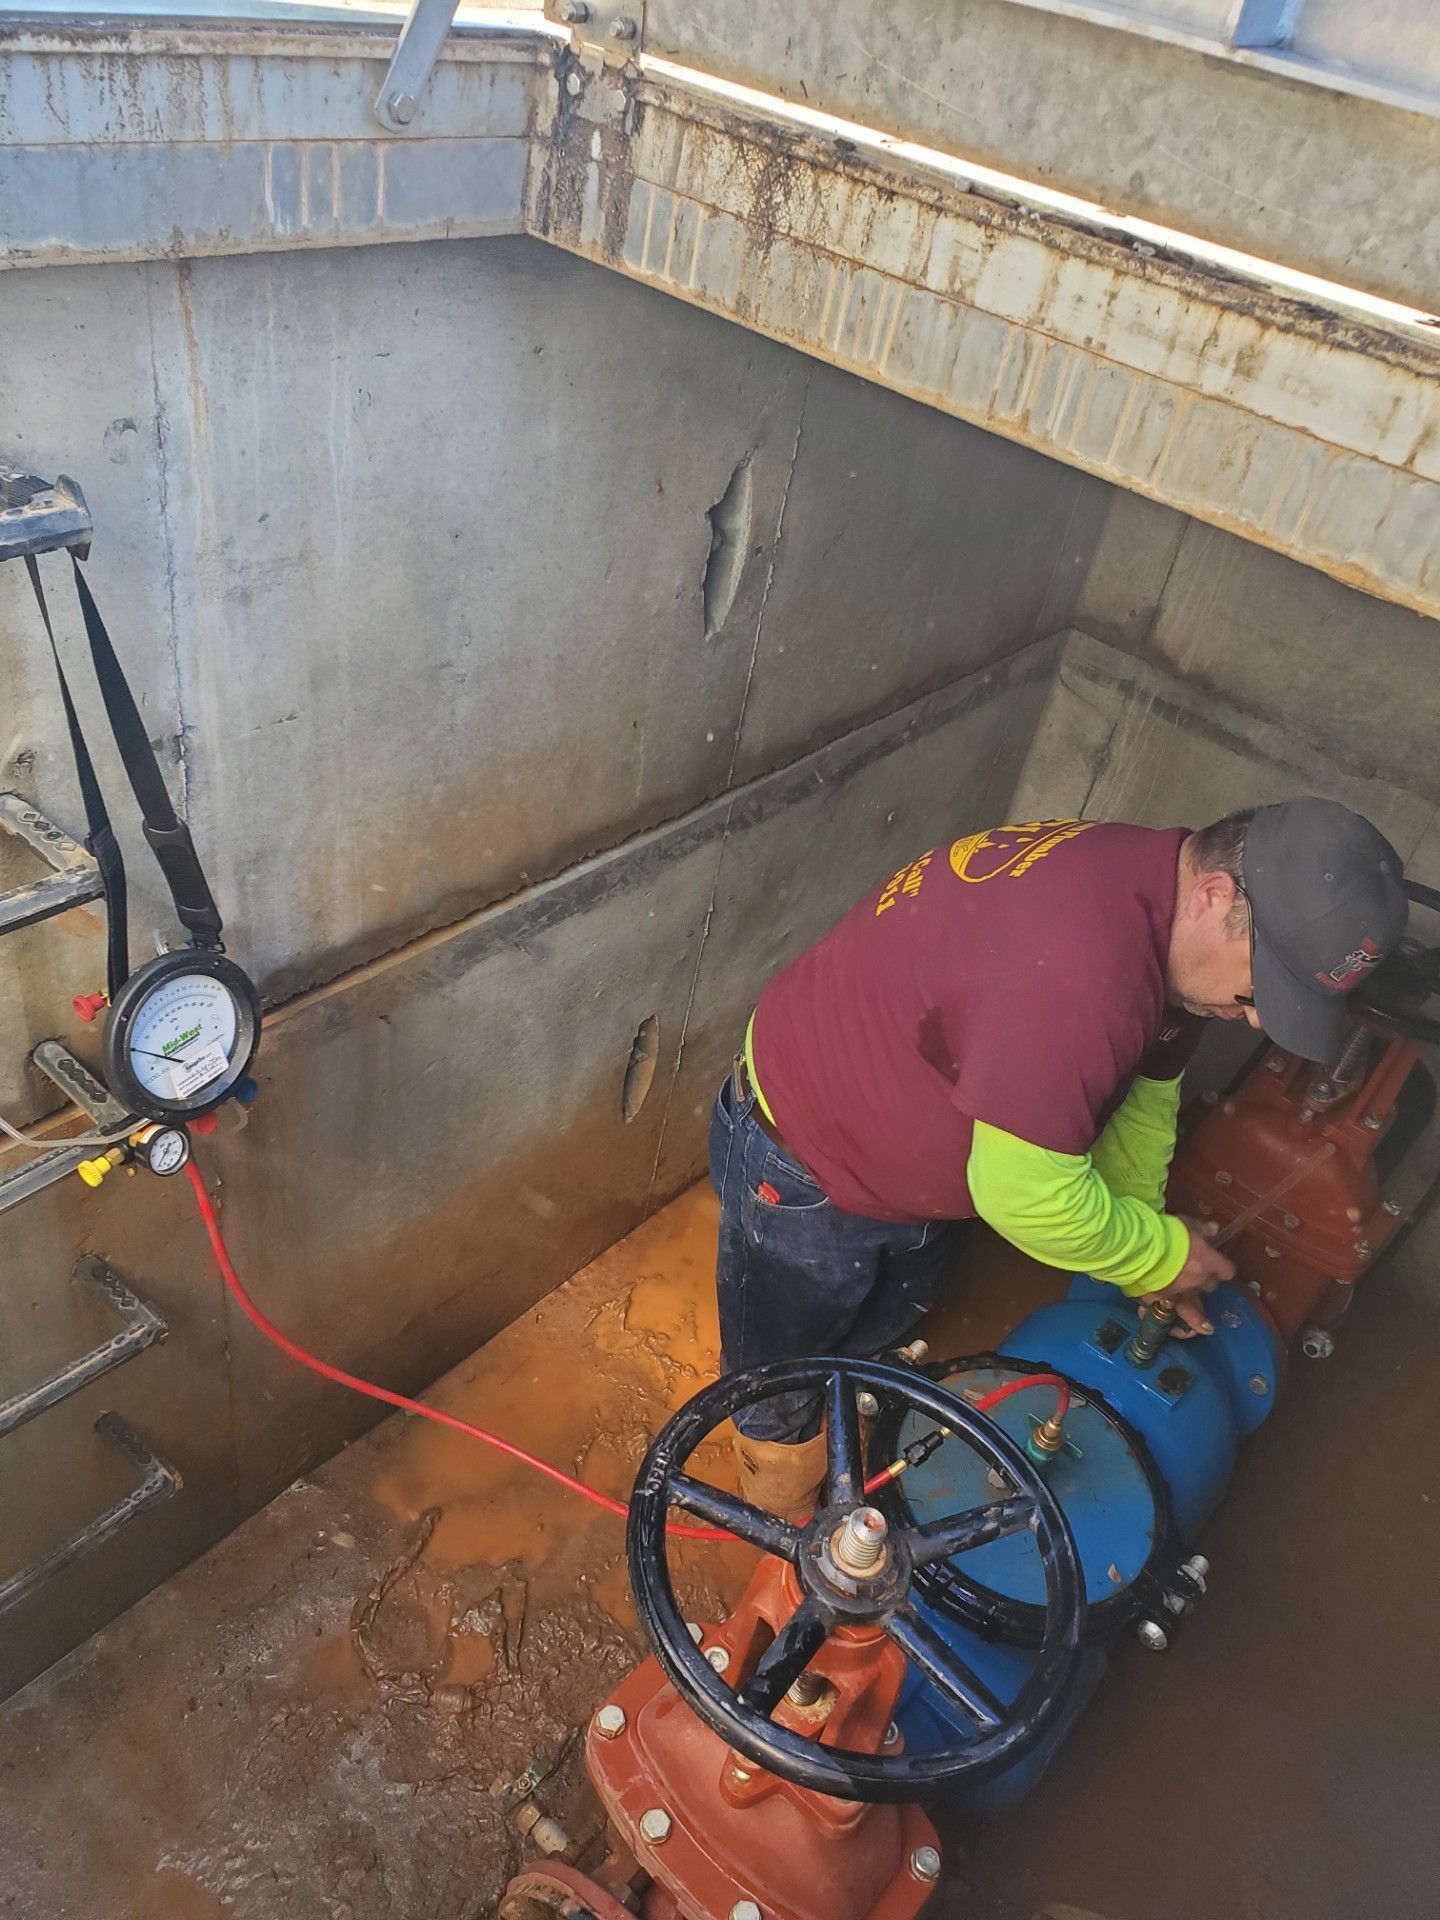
pixel 1306 135
pixel 1316 435
pixel 144 144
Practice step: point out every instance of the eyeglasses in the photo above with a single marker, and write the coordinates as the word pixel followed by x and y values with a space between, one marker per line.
pixel 1247 999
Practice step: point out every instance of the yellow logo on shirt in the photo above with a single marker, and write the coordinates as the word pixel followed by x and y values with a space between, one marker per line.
pixel 1013 850
pixel 903 885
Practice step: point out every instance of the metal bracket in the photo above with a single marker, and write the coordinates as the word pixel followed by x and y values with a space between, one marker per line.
pixel 78 1084
pixel 140 1327
pixel 1264 23
pixel 413 61
pixel 37 516
pixel 75 1080
pixel 612 30
pixel 158 1481
pixel 73 878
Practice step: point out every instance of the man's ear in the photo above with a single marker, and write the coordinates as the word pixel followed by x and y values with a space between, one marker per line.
pixel 1212 892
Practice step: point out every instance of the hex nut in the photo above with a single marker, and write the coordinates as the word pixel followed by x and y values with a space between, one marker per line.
pixel 745 1910
pixel 1152 1636
pixel 925 1864
pixel 867 1405
pixel 624 28
pixel 402 107
pixel 718 1658
pixel 695 1631
pixel 655 1826
pixel 610 1721
pixel 1259 1384
pixel 1316 1344
pixel 573 13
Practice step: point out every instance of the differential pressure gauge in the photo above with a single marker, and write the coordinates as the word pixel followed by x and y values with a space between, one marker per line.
pixel 181 1032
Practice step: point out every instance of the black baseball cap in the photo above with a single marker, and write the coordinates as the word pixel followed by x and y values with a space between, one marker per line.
pixel 1327 904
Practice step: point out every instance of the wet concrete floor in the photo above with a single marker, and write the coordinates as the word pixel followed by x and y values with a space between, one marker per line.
pixel 327 1715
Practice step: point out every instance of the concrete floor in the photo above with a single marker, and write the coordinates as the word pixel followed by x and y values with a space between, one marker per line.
pixel 321 1716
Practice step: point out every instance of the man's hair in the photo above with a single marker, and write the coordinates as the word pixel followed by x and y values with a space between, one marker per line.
pixel 1220 848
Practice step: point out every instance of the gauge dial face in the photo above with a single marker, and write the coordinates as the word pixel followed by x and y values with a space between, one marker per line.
pixel 168 1150
pixel 182 1037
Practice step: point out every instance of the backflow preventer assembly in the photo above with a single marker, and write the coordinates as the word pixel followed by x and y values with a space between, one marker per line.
pixel 934 1631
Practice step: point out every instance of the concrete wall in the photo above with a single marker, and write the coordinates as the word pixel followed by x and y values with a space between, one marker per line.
pixel 534 657
pixel 1352 676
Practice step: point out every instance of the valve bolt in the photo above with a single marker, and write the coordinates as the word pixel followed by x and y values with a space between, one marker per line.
pixel 655 1826
pixel 610 1721
pixel 925 1864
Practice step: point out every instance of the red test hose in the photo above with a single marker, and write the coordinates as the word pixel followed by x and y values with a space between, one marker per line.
pixel 342 1379
pixel 391 1399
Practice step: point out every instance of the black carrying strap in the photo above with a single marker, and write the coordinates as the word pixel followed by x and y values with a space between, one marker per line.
pixel 101 841
pixel 167 833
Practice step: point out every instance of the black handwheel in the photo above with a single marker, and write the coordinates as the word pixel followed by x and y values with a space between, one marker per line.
pixel 839 1591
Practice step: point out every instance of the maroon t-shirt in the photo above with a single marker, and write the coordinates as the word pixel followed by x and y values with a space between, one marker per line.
pixel 1015 977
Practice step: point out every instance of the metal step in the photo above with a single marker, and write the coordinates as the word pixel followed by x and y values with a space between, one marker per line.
pixel 158 1481
pixel 140 1327
pixel 73 878
pixel 39 516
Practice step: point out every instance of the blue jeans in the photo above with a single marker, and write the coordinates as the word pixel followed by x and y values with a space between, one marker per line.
pixel 797 1275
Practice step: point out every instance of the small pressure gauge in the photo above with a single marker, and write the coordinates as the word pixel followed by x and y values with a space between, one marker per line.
pixel 164 1150
pixel 180 1034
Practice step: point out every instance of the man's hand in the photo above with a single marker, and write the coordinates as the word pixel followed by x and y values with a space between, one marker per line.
pixel 1205 1267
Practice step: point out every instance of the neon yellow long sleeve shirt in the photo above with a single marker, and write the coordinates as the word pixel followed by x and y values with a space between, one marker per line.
pixel 1099 1213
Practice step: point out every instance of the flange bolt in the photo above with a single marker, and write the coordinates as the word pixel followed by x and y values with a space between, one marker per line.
pixel 655 1826
pixel 745 1910
pixel 610 1722
pixel 1316 1344
pixel 925 1864
pixel 1152 1636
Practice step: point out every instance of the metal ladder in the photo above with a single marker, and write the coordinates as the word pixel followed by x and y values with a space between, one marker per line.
pixel 37 516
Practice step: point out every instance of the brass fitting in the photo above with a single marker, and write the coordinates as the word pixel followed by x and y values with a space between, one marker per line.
pixel 1049 1436
pixel 1156 1317
pixel 1046 1439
